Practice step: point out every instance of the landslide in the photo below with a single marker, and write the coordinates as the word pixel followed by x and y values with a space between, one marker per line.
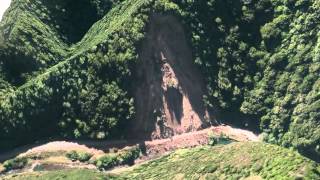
pixel 169 87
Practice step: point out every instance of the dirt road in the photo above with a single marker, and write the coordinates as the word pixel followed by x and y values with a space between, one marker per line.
pixel 196 138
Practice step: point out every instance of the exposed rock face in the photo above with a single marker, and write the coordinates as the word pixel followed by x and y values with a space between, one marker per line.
pixel 170 88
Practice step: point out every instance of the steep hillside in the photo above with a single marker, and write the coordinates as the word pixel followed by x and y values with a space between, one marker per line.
pixel 160 67
pixel 78 87
pixel 38 34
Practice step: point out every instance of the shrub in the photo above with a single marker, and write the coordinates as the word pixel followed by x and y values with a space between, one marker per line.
pixel 73 155
pixel 106 162
pixel 83 156
pixel 16 163
pixel 125 157
pixel 212 140
pixel 128 156
pixel 79 156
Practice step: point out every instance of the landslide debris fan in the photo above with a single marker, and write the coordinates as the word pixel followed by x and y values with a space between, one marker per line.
pixel 259 59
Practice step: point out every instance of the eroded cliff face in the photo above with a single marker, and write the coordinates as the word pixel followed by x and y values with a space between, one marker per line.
pixel 170 88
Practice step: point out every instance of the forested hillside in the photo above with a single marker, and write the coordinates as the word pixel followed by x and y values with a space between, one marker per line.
pixel 68 69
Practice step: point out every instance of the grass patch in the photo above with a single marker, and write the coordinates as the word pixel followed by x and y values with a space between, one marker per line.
pixel 62 175
pixel 234 161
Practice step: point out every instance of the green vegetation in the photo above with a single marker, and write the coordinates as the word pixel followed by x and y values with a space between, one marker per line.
pixel 261 61
pixel 233 161
pixel 65 175
pixel 79 156
pixel 43 160
pixel 216 140
pixel 65 76
pixel 128 156
pixel 107 162
pixel 125 157
pixel 84 95
pixel 16 163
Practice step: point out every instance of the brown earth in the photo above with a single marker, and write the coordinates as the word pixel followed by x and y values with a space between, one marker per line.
pixel 169 87
pixel 152 148
pixel 197 138
pixel 61 146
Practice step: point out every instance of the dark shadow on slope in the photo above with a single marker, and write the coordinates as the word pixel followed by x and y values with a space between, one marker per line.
pixel 309 153
pixel 16 67
pixel 237 119
pixel 174 98
pixel 72 19
pixel 174 45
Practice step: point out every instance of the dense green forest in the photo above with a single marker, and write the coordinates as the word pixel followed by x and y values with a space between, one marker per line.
pixel 67 69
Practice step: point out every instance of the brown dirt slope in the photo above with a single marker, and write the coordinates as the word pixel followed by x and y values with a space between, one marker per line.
pixel 197 138
pixel 152 148
pixel 169 88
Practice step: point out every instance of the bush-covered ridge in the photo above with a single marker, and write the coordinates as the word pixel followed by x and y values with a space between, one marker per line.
pixel 260 58
pixel 287 95
pixel 52 96
pixel 38 34
pixel 86 94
